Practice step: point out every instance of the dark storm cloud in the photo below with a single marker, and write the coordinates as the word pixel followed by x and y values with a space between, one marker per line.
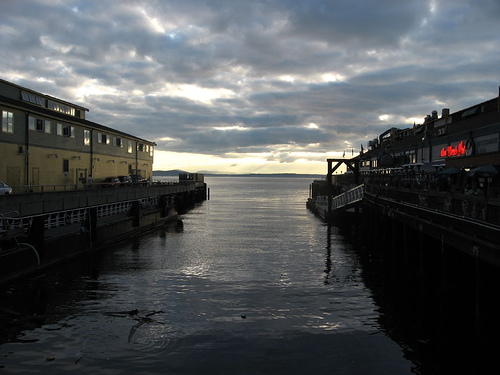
pixel 358 24
pixel 265 70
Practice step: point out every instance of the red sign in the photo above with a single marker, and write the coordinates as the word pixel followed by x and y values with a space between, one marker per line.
pixel 458 150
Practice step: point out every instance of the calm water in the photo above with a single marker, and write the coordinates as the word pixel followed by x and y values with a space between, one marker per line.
pixel 253 284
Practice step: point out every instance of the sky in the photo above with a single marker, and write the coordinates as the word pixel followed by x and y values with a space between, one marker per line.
pixel 261 86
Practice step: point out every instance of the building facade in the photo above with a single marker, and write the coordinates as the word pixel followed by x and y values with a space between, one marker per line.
pixel 467 139
pixel 46 141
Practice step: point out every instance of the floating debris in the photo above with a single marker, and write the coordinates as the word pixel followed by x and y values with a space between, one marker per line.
pixel 141 321
pixel 122 314
pixel 133 329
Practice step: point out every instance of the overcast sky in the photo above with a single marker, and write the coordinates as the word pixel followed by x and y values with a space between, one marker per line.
pixel 254 86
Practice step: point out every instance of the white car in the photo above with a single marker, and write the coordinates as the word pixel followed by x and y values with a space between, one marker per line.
pixel 5 189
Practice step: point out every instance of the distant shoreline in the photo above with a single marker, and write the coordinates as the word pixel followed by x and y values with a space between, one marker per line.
pixel 175 173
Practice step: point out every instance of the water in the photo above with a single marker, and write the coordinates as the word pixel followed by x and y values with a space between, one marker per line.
pixel 253 284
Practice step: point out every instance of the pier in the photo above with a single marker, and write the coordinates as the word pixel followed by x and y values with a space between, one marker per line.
pixel 439 249
pixel 39 230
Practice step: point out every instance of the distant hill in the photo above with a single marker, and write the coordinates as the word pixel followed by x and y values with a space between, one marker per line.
pixel 288 175
pixel 172 172
pixel 175 172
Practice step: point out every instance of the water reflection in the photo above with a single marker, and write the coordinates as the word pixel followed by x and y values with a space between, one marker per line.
pixel 259 293
pixel 328 261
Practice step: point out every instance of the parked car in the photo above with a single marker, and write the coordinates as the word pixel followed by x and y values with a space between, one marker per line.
pixel 138 179
pixel 110 182
pixel 5 189
pixel 125 180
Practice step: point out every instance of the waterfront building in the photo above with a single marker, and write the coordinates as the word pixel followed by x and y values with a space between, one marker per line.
pixel 48 141
pixel 468 138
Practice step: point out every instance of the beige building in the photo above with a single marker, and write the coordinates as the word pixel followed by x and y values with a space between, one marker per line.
pixel 47 143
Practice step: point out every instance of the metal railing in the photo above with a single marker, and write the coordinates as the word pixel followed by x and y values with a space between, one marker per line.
pixel 58 219
pixel 12 222
pixel 27 189
pixel 481 208
pixel 13 225
pixel 349 197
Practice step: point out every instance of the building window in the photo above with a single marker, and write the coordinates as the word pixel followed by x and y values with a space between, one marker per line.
pixel 60 107
pixel 140 147
pixel 118 142
pixel 150 150
pixel 103 138
pixel 7 122
pixel 40 126
pixel 65 165
pixel 130 147
pixel 32 98
pixel 86 137
pixel 65 130
pixel 32 123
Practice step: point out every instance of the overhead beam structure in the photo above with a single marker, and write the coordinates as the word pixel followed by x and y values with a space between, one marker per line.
pixel 351 164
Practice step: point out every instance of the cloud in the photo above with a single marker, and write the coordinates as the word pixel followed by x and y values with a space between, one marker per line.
pixel 234 78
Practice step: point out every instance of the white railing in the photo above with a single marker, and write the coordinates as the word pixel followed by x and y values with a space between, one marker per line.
pixel 11 221
pixel 351 196
pixel 58 219
pixel 113 209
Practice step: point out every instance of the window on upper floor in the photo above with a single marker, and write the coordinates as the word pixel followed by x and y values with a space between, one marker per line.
pixel 59 107
pixel 118 142
pixel 32 98
pixel 7 122
pixel 39 124
pixel 65 130
pixel 130 147
pixel 86 137
pixel 103 138
pixel 32 123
